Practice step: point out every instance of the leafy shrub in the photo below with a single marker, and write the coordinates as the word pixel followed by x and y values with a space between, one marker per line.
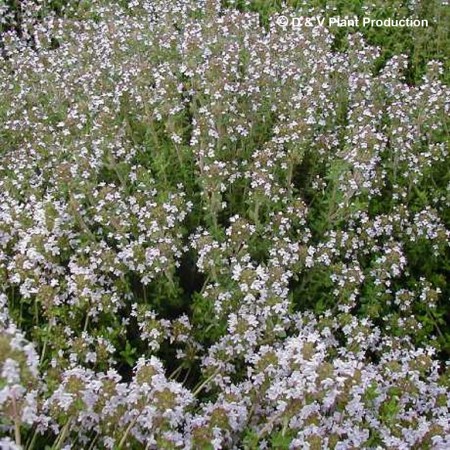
pixel 219 233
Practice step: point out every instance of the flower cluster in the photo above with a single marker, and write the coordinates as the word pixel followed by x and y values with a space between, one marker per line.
pixel 215 234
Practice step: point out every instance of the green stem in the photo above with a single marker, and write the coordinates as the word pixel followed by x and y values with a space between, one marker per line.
pixel 86 322
pixel 16 422
pixel 93 442
pixel 32 440
pixel 127 431
pixel 65 431
pixel 175 373
pixel 199 387
pixel 186 376
pixel 44 348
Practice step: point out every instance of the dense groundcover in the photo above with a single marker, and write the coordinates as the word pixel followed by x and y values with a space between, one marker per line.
pixel 219 233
